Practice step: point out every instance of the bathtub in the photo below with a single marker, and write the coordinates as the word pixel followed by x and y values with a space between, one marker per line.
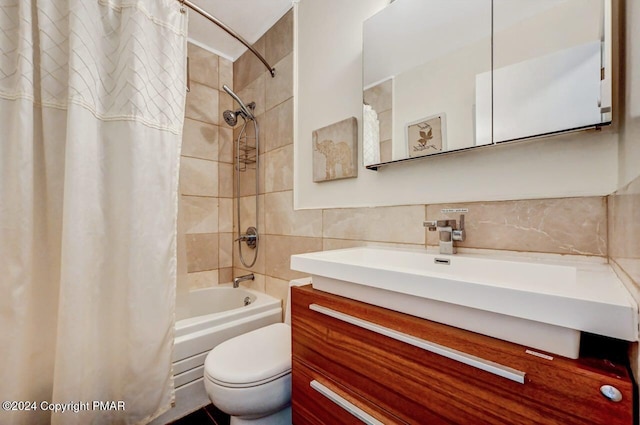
pixel 219 313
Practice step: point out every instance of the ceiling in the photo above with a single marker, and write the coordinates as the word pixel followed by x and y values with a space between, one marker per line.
pixel 249 18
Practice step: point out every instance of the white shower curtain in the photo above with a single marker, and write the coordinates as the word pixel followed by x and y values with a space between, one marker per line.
pixel 91 107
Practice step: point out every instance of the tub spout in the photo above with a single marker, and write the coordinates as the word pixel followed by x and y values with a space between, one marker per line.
pixel 237 280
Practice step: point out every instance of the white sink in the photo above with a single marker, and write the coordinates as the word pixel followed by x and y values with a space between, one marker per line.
pixel 542 304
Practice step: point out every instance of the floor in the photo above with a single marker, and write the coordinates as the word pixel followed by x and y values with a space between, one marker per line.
pixel 208 415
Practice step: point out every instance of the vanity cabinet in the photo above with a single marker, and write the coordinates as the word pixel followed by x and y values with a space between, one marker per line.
pixel 354 362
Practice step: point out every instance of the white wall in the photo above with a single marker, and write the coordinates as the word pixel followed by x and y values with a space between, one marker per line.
pixel 329 89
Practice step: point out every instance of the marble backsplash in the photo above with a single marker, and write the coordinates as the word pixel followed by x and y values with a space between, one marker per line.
pixel 624 234
pixel 575 226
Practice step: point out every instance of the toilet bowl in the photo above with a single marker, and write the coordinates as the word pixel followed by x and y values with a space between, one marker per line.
pixel 249 376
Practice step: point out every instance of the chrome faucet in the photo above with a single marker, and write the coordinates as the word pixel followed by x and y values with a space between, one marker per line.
pixel 448 233
pixel 237 280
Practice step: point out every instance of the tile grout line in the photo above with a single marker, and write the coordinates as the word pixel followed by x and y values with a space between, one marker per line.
pixel 209 415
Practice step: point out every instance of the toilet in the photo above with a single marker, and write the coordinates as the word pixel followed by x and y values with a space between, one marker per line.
pixel 249 376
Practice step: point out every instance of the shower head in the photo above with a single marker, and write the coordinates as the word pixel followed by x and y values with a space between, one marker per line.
pixel 243 108
pixel 231 117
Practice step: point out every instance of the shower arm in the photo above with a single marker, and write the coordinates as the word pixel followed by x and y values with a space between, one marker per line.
pixel 229 31
pixel 240 102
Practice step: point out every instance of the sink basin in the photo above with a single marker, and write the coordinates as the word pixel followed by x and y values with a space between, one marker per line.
pixel 543 304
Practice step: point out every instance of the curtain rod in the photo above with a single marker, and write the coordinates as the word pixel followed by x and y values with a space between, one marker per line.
pixel 229 31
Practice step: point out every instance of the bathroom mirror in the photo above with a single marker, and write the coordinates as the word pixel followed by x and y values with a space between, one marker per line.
pixel 445 76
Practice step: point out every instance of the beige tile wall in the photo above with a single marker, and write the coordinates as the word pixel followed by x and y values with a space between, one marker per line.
pixel 282 231
pixel 624 235
pixel 206 171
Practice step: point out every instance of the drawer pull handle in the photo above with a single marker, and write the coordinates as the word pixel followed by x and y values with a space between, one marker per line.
pixel 450 353
pixel 344 404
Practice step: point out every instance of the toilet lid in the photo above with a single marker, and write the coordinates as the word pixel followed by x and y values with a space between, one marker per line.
pixel 251 359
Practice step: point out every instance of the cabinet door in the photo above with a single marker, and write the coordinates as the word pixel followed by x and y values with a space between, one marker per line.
pixel 320 400
pixel 485 381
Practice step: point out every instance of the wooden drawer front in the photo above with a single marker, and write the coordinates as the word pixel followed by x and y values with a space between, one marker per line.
pixel 317 399
pixel 419 386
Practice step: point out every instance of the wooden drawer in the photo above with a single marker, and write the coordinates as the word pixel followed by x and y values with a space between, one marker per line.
pixel 421 386
pixel 319 400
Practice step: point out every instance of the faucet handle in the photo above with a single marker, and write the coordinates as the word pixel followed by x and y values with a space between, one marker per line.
pixel 434 225
pixel 458 234
pixel 430 225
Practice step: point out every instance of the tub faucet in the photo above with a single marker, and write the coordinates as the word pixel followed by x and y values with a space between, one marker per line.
pixel 448 233
pixel 237 280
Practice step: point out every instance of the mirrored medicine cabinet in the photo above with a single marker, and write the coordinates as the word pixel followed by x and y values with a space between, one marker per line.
pixel 444 76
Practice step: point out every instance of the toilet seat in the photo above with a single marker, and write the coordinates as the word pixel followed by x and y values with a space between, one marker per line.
pixel 251 359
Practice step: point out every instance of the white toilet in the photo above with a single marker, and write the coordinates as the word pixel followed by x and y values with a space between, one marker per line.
pixel 249 376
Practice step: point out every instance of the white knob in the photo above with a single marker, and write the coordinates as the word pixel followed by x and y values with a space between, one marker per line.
pixel 612 393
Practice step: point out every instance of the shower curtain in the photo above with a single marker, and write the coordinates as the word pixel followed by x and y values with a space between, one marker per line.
pixel 91 107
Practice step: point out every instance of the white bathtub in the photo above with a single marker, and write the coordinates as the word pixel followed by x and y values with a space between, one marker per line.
pixel 219 313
